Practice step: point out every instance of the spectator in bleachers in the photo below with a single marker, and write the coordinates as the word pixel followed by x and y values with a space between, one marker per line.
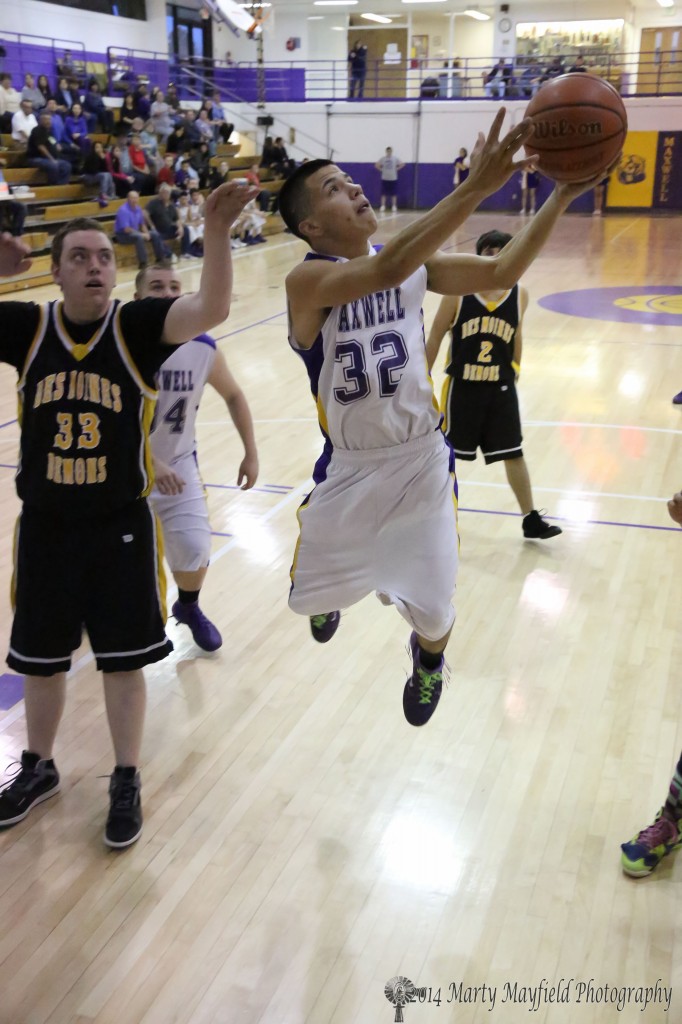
pixel 133 227
pixel 195 222
pixel 164 217
pixel 253 178
pixel 123 179
pixel 200 160
pixel 172 98
pixel 553 69
pixel 23 122
pixel 44 87
pixel 76 129
pixel 178 142
pixel 12 212
pixel 145 175
pixel 66 67
pixel 127 113
pixel 223 129
pixel 142 102
pixel 32 92
pixel 69 150
pixel 269 156
pixel 219 175
pixel 282 160
pixel 97 114
pixel 95 172
pixel 205 129
pixel 185 174
pixel 192 128
pixel 10 100
pixel 44 152
pixel 166 174
pixel 65 96
pixel 161 117
pixel 149 145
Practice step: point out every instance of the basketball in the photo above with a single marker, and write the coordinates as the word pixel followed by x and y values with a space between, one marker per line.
pixel 580 126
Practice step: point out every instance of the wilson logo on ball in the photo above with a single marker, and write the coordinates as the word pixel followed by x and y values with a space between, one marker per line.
pixel 564 129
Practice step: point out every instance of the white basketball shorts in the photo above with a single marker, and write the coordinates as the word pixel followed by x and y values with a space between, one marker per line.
pixel 382 520
pixel 184 519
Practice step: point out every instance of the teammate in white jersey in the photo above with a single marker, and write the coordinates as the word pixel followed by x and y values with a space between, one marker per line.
pixel 178 497
pixel 382 515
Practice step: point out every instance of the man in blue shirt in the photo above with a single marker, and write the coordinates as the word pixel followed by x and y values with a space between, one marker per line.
pixel 132 227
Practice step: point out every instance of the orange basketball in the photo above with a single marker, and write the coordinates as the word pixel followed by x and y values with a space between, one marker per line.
pixel 580 126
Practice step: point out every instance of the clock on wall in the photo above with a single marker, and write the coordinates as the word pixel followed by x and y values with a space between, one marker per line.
pixel 504 24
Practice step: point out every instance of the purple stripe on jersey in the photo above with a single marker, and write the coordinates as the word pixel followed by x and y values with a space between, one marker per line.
pixel 322 464
pixel 206 339
pixel 320 256
pixel 313 358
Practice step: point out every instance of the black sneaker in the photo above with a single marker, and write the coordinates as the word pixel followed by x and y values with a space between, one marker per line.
pixel 124 824
pixel 423 688
pixel 537 528
pixel 34 782
pixel 323 627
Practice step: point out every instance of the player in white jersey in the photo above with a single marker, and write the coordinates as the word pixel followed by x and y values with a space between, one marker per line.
pixel 178 497
pixel 382 515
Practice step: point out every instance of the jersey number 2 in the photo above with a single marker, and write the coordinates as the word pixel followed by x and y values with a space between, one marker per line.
pixel 352 357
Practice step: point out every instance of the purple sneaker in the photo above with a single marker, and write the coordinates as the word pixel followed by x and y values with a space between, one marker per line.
pixel 204 632
pixel 323 627
pixel 423 688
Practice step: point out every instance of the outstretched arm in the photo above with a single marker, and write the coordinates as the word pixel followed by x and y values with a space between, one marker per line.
pixel 444 318
pixel 199 312
pixel 224 383
pixel 14 255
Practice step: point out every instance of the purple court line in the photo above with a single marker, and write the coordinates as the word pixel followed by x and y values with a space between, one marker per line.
pixel 217 533
pixel 248 327
pixel 575 522
pixel 261 490
pixel 6 465
pixel 8 424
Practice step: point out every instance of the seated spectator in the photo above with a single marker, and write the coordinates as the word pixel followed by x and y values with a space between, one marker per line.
pixel 185 174
pixel 283 161
pixel 124 178
pixel 127 114
pixel 200 160
pixel 32 92
pixel 133 227
pixel 252 224
pixel 223 129
pixel 192 128
pixel 97 114
pixel 269 156
pixel 493 80
pixel 145 173
pixel 529 82
pixel 553 69
pixel 23 122
pixel 10 100
pixel 177 142
pixel 76 129
pixel 69 150
pixel 65 96
pixel 142 102
pixel 195 222
pixel 173 100
pixel 219 175
pixel 66 67
pixel 12 212
pixel 429 88
pixel 579 64
pixel 166 220
pixel 166 174
pixel 96 172
pixel 44 152
pixel 44 87
pixel 205 129
pixel 149 144
pixel 161 117
pixel 253 178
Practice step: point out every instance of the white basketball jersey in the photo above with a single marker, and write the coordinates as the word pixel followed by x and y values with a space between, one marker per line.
pixel 181 382
pixel 368 370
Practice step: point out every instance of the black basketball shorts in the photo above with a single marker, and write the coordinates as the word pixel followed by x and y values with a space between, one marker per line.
pixel 104 574
pixel 482 415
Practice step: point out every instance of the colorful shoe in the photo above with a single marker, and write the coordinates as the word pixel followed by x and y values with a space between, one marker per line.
pixel 124 824
pixel 323 627
pixel 677 400
pixel 34 782
pixel 537 528
pixel 204 632
pixel 648 848
pixel 423 688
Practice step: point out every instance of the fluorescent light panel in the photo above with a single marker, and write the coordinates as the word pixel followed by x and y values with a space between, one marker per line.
pixel 667 3
pixel 379 18
pixel 335 3
pixel 423 1
pixel 478 15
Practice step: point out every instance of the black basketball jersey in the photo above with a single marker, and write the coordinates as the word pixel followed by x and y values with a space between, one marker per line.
pixel 482 342
pixel 85 411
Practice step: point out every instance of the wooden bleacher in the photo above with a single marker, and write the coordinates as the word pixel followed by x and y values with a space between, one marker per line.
pixel 50 206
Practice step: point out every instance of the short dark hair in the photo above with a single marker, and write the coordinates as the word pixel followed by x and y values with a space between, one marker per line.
pixel 294 204
pixel 142 273
pixel 78 224
pixel 492 240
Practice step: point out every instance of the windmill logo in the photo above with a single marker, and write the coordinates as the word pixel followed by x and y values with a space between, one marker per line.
pixel 400 991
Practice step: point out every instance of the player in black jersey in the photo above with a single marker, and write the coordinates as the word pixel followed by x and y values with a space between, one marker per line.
pixel 87 551
pixel 480 403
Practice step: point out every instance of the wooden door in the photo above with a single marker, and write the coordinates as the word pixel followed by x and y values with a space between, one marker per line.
pixel 660 60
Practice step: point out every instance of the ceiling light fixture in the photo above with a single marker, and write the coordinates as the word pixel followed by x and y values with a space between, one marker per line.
pixel 423 1
pixel 379 18
pixel 335 3
pixel 666 3
pixel 473 12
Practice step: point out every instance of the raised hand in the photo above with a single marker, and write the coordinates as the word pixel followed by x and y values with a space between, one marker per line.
pixel 570 190
pixel 492 158
pixel 225 204
pixel 14 256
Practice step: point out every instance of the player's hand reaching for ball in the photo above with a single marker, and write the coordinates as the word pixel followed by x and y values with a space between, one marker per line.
pixel 224 205
pixel 248 472
pixel 675 508
pixel 570 190
pixel 14 256
pixel 492 159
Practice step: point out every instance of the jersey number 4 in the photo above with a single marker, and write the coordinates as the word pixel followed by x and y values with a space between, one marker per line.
pixel 351 355
pixel 176 416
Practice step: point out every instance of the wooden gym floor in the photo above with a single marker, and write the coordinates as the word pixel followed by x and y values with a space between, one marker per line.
pixel 302 844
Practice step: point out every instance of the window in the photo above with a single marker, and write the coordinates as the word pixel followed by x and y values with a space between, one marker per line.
pixel 122 8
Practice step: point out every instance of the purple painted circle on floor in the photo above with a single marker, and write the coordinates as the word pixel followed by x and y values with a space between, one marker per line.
pixel 648 304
